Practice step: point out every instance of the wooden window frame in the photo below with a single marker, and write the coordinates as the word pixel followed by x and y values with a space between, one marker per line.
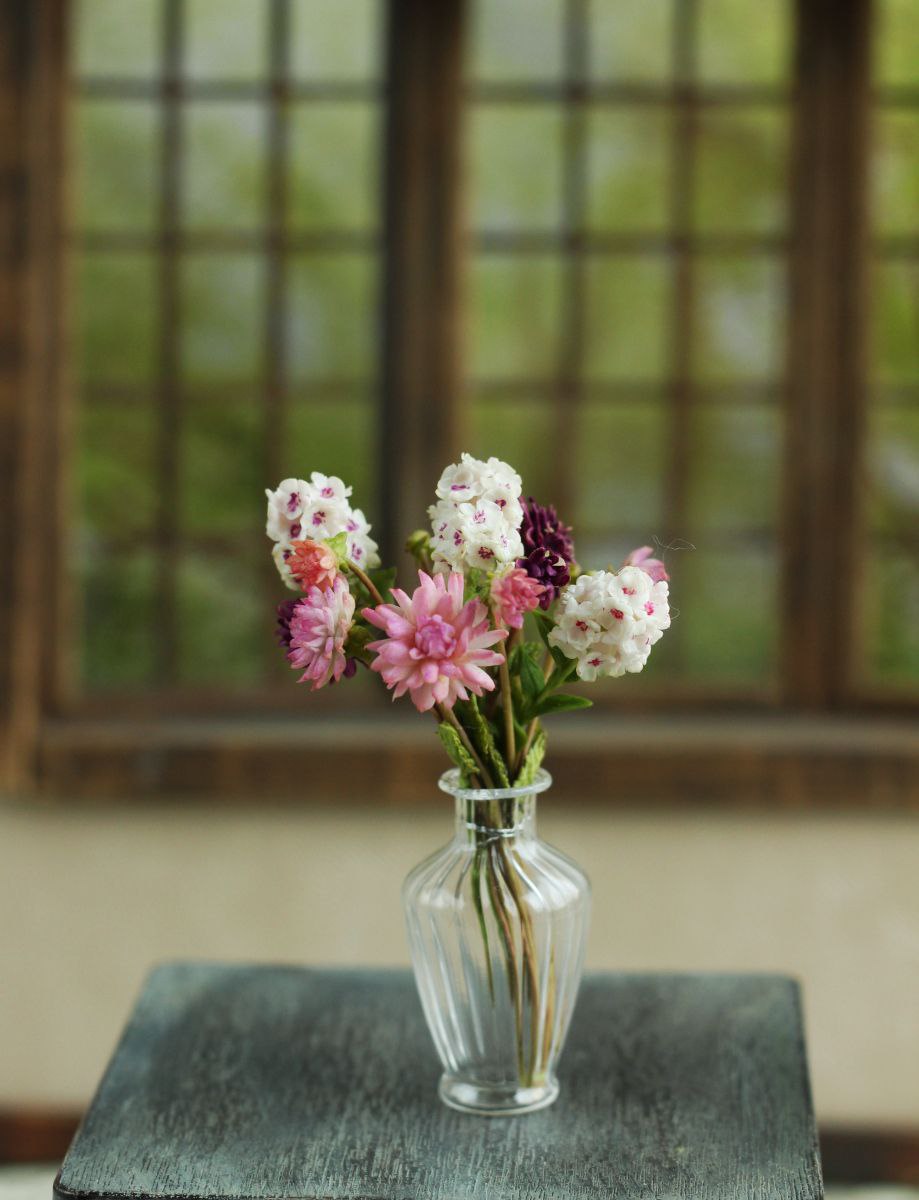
pixel 828 744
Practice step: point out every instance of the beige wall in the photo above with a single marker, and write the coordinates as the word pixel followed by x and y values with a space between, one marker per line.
pixel 89 899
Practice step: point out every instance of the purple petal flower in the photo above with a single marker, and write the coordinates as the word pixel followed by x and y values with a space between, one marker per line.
pixel 549 549
pixel 548 569
pixel 285 614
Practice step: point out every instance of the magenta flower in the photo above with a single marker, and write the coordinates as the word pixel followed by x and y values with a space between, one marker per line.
pixel 319 627
pixel 651 566
pixel 435 646
pixel 514 594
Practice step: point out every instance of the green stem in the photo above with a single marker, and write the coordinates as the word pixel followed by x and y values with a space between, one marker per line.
pixel 480 913
pixel 507 703
pixel 510 952
pixel 528 940
pixel 366 581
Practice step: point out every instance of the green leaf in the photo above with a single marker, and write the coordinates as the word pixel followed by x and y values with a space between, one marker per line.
pixel 560 702
pixel 533 761
pixel 456 751
pixel 483 738
pixel 358 637
pixel 543 625
pixel 531 678
pixel 383 579
pixel 561 673
pixel 339 546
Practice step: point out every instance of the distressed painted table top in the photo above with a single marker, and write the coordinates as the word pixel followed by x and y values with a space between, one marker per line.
pixel 281 1082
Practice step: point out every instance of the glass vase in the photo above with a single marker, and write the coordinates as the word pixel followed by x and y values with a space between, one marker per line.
pixel 497 923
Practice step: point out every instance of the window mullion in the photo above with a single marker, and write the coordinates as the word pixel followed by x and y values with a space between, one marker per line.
pixel 826 349
pixel 421 306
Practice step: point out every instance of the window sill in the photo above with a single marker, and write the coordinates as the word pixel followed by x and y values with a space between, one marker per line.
pixel 713 761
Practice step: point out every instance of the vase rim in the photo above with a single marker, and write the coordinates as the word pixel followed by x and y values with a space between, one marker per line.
pixel 450 782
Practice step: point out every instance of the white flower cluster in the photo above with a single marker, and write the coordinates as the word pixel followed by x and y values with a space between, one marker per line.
pixel 609 622
pixel 476 520
pixel 317 510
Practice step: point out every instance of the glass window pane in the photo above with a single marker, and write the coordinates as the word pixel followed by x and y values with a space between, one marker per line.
pixel 517 40
pixel 221 329
pixel 220 467
pixel 727 598
pixel 890 614
pixel 336 437
pixel 115 145
pixel 334 150
pixel 117 37
pixel 118 608
pixel 895 308
pixel 895 39
pixel 628 318
pixel 619 469
pixel 335 39
pixel 224 624
pixel 740 42
pixel 734 476
pixel 629 156
pixel 740 306
pixel 893 460
pixel 332 316
pixel 520 431
pixel 896 170
pixel 741 172
pixel 116 478
pixel 514 316
pixel 516 166
pixel 630 40
pixel 226 39
pixel 224 170
pixel 115 318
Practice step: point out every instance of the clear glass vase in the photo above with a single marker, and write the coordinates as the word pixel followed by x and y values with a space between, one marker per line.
pixel 497 922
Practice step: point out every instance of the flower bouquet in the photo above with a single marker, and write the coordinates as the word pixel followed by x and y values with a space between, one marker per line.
pixel 502 620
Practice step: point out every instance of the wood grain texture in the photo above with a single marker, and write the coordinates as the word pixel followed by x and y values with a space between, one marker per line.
pixel 284 1082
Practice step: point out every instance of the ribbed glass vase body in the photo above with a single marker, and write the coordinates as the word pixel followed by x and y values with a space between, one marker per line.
pixel 497 922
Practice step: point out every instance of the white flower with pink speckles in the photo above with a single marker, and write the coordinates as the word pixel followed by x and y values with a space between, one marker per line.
pixel 607 622
pixel 316 510
pixel 476 520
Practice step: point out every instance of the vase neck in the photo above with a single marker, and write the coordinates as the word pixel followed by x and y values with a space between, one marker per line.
pixel 482 819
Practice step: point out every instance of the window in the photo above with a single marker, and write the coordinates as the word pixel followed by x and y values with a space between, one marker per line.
pixel 628 246
pixel 629 183
pixel 225 243
pixel 889 644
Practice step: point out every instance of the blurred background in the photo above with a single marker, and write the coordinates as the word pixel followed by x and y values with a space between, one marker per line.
pixel 661 255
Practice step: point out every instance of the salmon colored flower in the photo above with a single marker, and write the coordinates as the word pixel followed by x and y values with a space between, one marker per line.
pixel 514 594
pixel 319 627
pixel 436 647
pixel 312 564
pixel 651 566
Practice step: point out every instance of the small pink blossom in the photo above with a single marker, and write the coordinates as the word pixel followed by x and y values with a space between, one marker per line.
pixel 514 594
pixel 319 628
pixel 651 566
pixel 435 646
pixel 312 564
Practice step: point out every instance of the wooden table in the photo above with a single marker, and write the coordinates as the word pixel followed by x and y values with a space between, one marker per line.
pixel 281 1082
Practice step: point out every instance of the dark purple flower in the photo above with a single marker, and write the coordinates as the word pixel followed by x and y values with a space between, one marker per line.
pixel 542 530
pixel 546 568
pixel 549 550
pixel 285 613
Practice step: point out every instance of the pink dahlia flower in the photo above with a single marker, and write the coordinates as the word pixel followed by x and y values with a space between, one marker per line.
pixel 514 594
pixel 319 628
pixel 435 646
pixel 312 564
pixel 651 566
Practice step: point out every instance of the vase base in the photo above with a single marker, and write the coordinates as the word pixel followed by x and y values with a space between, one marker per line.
pixel 492 1101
